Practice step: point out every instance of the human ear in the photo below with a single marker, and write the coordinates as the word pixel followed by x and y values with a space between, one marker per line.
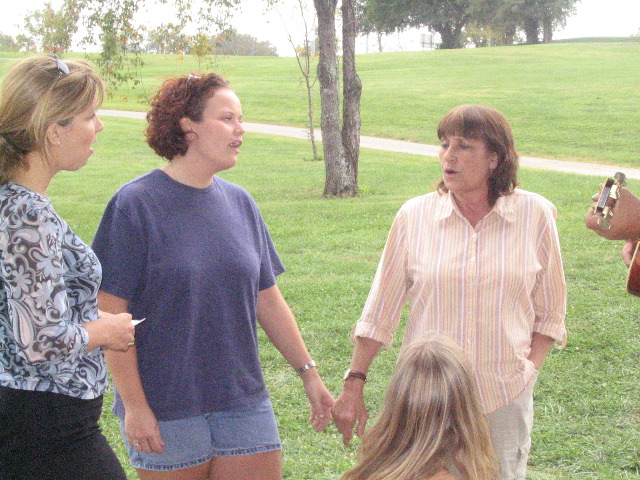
pixel 494 162
pixel 185 124
pixel 54 132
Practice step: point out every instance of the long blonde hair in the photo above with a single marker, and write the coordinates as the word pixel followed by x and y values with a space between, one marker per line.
pixel 431 419
pixel 35 94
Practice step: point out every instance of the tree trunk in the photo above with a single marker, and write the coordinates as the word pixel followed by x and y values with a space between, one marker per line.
pixel 352 89
pixel 510 33
pixel 532 30
pixel 339 179
pixel 547 29
pixel 449 36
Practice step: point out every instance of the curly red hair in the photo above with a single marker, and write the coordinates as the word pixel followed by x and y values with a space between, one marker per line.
pixel 179 98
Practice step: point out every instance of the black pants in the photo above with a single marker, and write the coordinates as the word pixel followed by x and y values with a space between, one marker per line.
pixel 48 436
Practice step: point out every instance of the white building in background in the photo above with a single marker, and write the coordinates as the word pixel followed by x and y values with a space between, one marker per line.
pixel 410 40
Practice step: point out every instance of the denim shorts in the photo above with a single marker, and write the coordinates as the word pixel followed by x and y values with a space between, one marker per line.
pixel 195 440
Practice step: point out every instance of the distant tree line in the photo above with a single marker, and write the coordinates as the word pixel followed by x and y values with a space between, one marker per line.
pixel 169 38
pixel 45 32
pixel 463 22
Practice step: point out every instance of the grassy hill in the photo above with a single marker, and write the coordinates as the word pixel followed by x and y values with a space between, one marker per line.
pixel 578 101
pixel 574 101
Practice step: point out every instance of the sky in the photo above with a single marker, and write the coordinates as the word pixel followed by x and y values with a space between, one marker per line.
pixel 594 18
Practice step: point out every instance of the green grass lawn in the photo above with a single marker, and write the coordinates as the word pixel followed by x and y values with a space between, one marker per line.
pixel 588 396
pixel 570 100
pixel 575 101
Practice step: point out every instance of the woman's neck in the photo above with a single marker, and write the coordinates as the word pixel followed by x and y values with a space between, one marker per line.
pixel 472 207
pixel 36 175
pixel 187 171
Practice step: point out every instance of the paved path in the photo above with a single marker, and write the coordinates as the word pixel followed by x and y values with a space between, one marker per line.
pixel 592 169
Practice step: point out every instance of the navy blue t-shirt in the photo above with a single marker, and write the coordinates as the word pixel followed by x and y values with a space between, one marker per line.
pixel 191 261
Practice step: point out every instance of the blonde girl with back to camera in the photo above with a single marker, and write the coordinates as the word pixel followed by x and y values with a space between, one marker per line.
pixel 431 425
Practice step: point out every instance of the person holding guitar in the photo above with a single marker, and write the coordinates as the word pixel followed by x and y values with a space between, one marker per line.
pixel 616 216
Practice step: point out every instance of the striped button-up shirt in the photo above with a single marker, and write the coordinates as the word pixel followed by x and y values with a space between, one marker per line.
pixel 489 288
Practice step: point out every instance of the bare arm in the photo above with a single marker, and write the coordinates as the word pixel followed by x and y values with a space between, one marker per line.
pixel 540 346
pixel 279 324
pixel 350 407
pixel 141 426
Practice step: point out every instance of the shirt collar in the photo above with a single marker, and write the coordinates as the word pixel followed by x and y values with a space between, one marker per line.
pixel 504 207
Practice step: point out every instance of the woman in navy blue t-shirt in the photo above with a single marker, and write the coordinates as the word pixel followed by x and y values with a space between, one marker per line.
pixel 201 268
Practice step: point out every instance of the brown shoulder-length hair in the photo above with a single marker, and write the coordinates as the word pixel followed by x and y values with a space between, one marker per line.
pixel 489 125
pixel 177 98
pixel 431 419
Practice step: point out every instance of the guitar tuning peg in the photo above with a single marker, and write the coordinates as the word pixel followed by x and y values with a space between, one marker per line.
pixel 621 179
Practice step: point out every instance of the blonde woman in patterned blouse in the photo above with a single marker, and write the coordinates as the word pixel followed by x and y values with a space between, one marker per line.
pixel 52 371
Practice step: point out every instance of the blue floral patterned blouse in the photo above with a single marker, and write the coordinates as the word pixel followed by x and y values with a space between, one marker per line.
pixel 49 281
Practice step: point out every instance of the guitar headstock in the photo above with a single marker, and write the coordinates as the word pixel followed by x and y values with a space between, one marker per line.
pixel 609 194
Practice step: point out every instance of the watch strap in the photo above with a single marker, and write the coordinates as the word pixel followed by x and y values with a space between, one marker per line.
pixel 356 374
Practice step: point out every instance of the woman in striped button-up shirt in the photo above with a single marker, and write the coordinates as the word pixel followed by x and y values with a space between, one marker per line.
pixel 478 261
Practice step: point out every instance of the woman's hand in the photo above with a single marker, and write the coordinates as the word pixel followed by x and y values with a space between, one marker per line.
pixel 320 399
pixel 115 332
pixel 142 430
pixel 350 411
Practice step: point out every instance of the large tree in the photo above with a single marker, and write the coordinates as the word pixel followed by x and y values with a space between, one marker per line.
pixel 7 43
pixel 554 14
pixel 340 143
pixel 446 17
pixel 51 29
pixel 533 17
pixel 233 43
pixel 111 23
pixel 168 38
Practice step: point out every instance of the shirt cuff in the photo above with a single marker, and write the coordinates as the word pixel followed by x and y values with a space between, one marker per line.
pixel 557 332
pixel 368 330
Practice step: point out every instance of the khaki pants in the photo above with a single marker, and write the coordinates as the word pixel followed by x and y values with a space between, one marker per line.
pixel 510 428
